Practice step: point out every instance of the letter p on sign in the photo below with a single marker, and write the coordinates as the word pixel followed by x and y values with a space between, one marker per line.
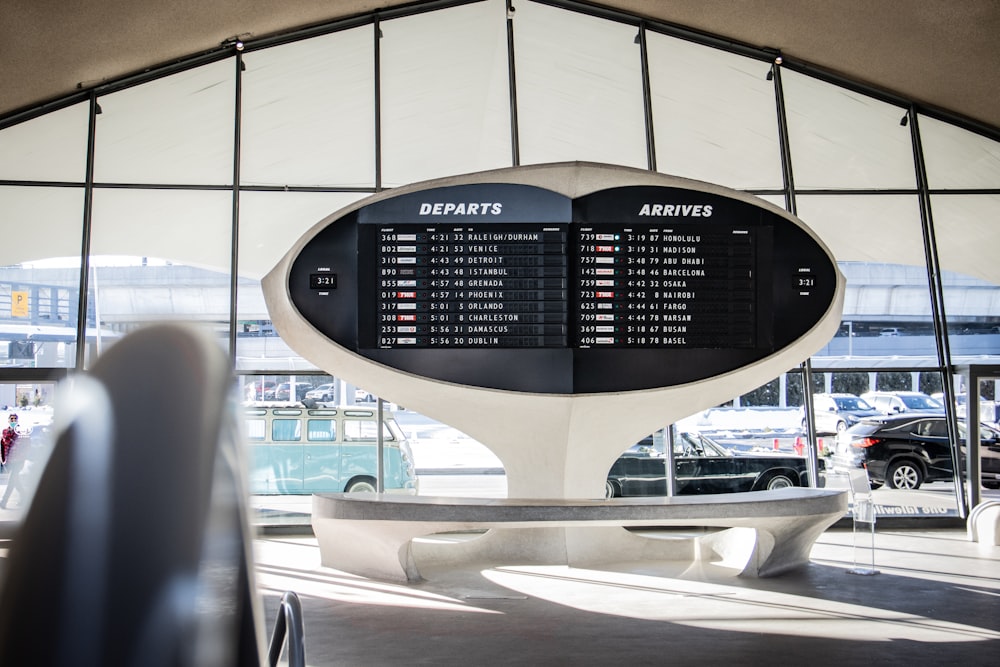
pixel 19 304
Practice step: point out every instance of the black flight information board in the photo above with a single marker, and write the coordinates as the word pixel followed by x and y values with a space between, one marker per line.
pixel 654 285
pixel 486 285
pixel 518 287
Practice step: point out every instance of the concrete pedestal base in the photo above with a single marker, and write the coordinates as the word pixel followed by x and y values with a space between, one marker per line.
pixel 762 533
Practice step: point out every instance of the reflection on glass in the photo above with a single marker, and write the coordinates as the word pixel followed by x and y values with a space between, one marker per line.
pixel 579 88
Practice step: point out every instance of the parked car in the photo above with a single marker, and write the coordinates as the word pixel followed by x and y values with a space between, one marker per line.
pixel 300 450
pixel 895 402
pixel 324 392
pixel 834 413
pixel 362 396
pixel 702 466
pixel 258 390
pixel 987 408
pixel 287 392
pixel 906 451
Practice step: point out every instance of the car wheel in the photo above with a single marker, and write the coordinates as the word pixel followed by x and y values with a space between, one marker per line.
pixel 904 475
pixel 611 490
pixel 778 480
pixel 361 485
pixel 841 426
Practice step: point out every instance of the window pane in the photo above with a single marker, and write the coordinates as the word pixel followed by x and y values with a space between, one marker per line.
pixel 357 429
pixel 264 217
pixel 713 115
pixel 178 129
pixel 286 430
pixel 161 255
pixel 957 158
pixel 877 241
pixel 183 226
pixel 579 88
pixel 52 147
pixel 48 222
pixel 967 230
pixel 271 223
pixel 309 112
pixel 29 453
pixel 842 139
pixel 872 228
pixel 973 309
pixel 40 278
pixel 255 429
pixel 445 101
pixel 887 318
pixel 322 429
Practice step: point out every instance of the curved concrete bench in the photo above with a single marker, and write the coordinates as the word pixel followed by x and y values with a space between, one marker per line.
pixel 768 532
pixel 984 523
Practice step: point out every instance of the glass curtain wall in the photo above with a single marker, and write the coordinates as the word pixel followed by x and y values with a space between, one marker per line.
pixel 163 187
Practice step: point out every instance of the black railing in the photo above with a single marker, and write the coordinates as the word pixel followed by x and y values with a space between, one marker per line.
pixel 288 625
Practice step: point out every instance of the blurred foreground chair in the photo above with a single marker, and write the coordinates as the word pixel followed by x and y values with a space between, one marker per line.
pixel 136 549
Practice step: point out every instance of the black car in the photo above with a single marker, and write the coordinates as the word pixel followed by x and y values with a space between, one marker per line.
pixel 702 466
pixel 905 451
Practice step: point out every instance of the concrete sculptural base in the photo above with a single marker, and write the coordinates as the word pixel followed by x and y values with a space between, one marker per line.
pixel 761 533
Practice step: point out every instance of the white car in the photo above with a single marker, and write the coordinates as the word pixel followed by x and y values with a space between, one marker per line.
pixel 362 396
pixel 324 392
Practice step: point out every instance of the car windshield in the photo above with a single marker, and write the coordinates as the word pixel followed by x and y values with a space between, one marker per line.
pixel 695 444
pixel 687 444
pixel 921 403
pixel 852 403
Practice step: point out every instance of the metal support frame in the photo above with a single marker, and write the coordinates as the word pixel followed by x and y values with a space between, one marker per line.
pixel 973 374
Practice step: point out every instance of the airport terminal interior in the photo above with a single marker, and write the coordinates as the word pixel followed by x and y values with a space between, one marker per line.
pixel 163 171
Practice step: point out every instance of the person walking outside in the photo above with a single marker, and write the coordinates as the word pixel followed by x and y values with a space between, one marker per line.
pixel 8 438
pixel 10 460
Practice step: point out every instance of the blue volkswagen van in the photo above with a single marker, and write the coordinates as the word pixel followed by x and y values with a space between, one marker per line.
pixel 300 450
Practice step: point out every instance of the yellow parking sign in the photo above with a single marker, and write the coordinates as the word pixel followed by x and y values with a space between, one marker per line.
pixel 19 304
